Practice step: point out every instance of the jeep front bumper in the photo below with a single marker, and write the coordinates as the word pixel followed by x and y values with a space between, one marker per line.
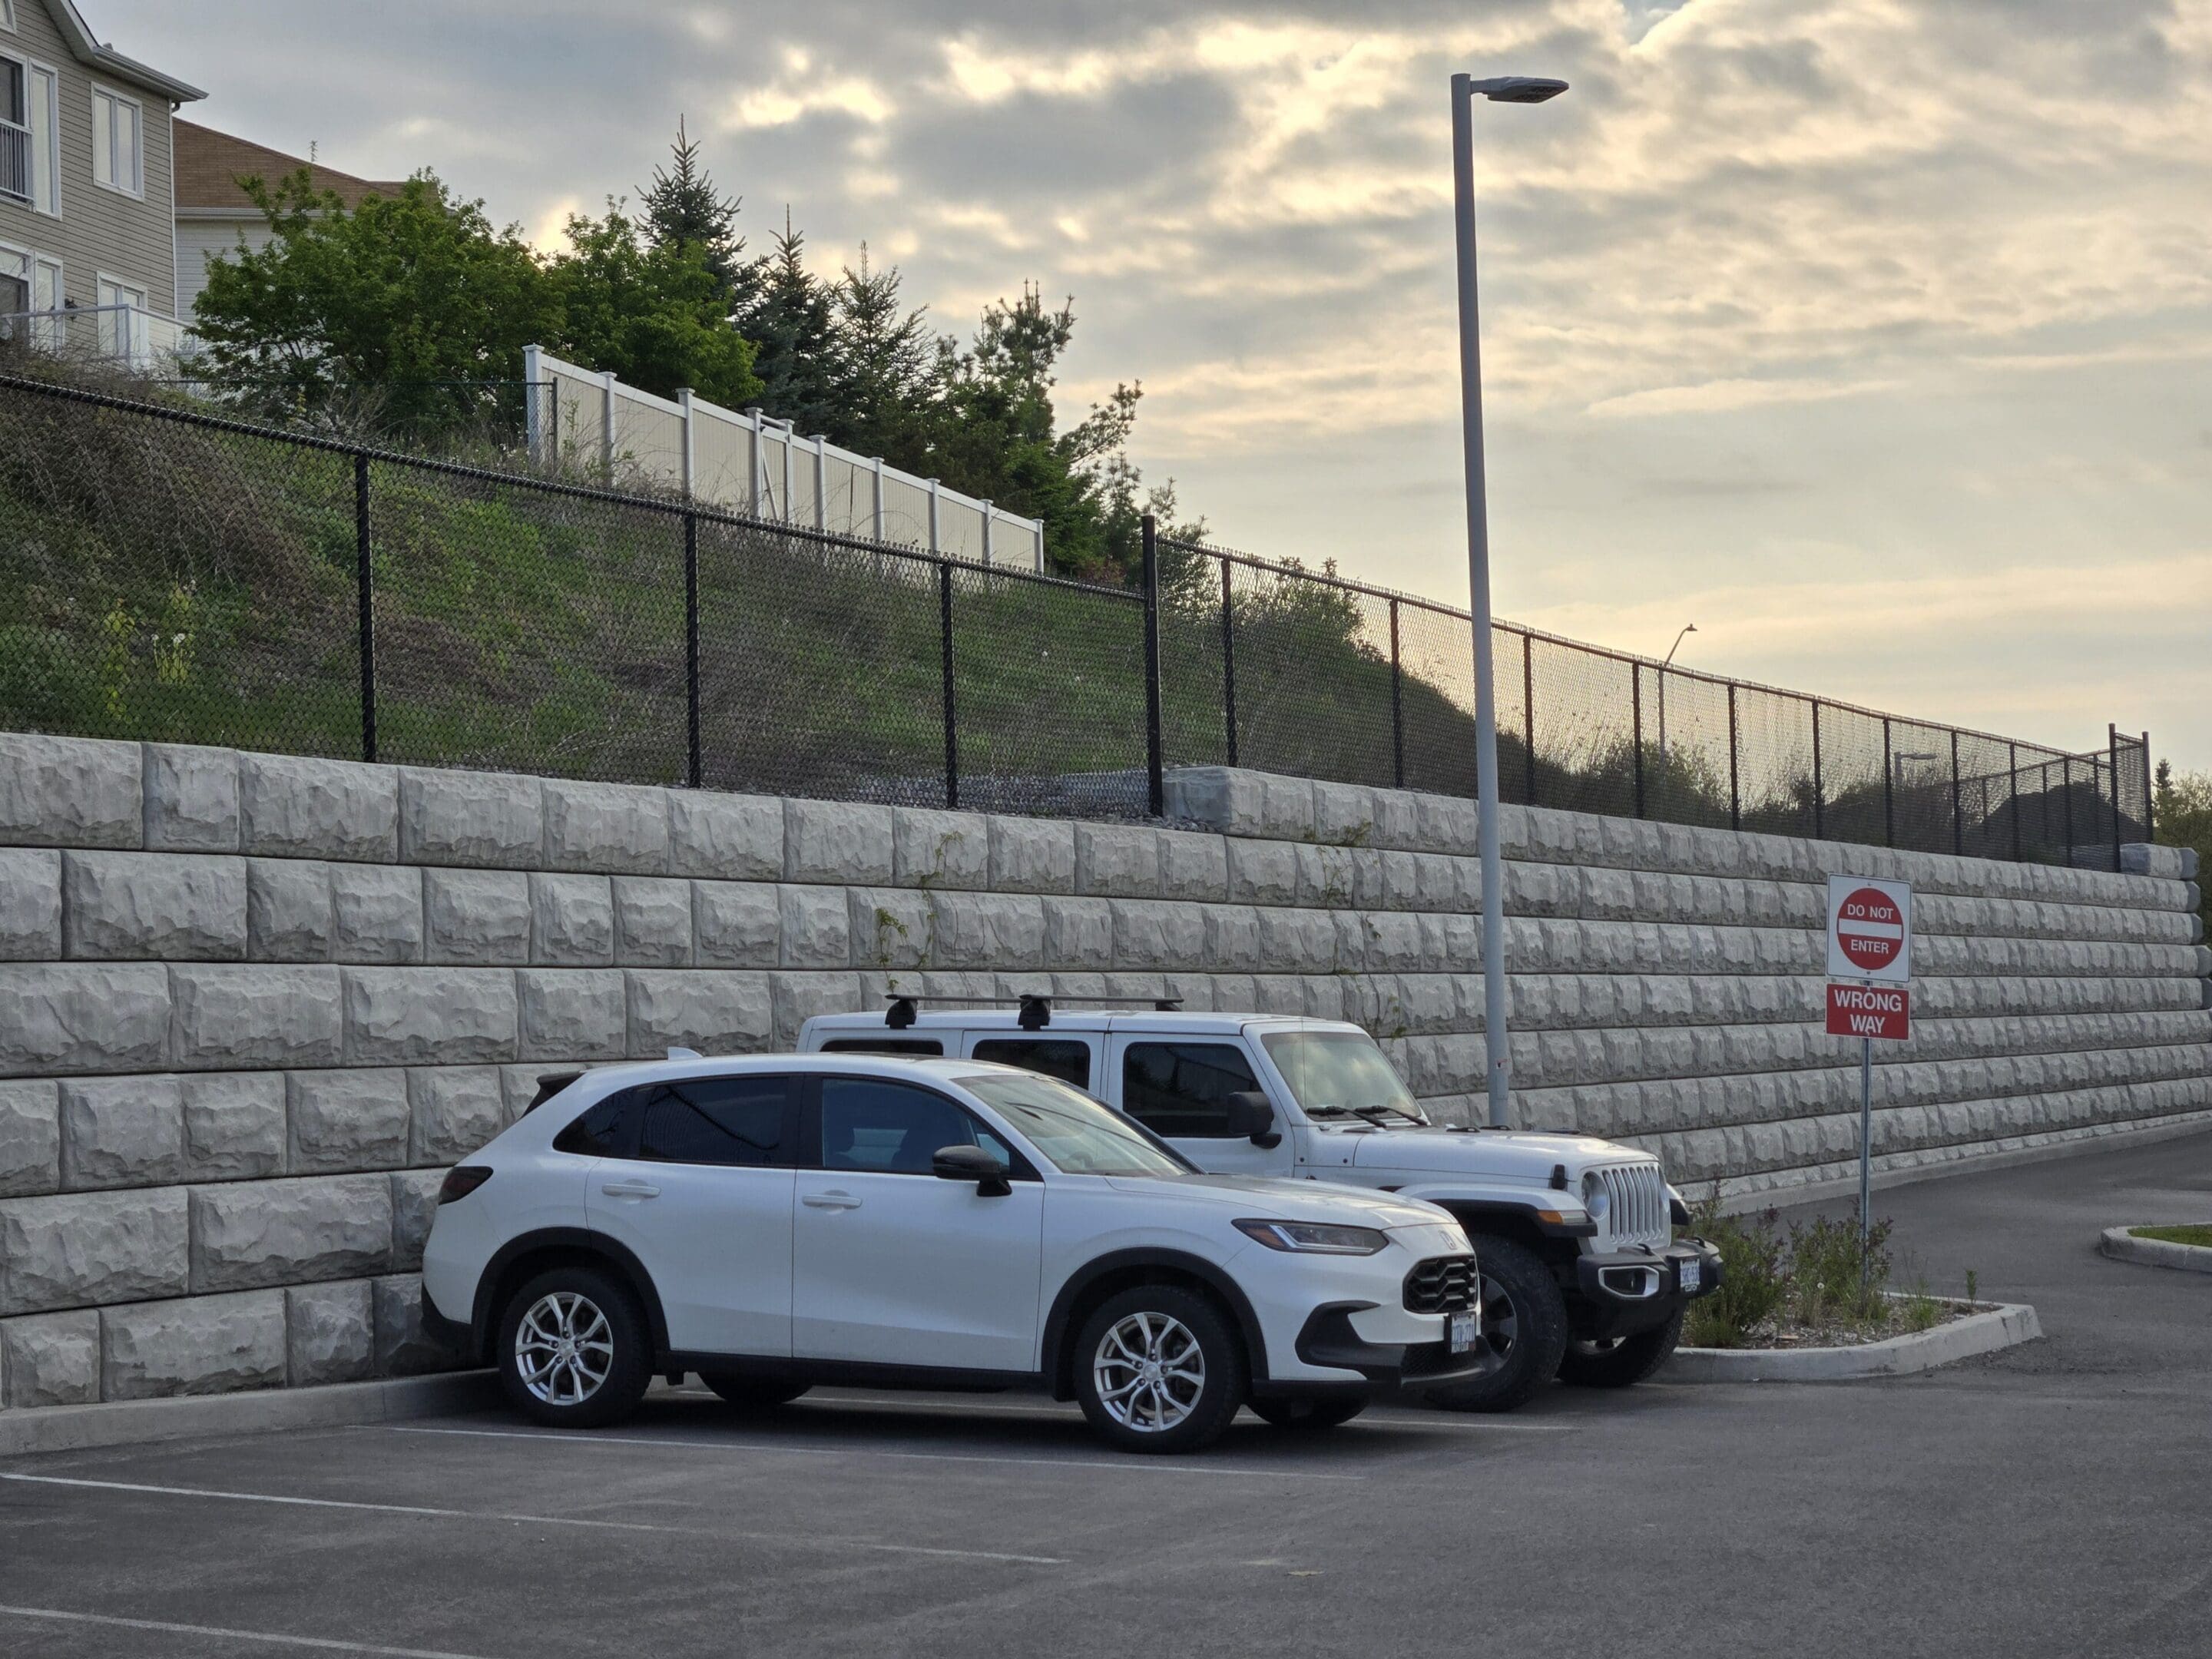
pixel 1630 1290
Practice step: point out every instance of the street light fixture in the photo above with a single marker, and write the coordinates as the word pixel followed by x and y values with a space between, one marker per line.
pixel 1499 89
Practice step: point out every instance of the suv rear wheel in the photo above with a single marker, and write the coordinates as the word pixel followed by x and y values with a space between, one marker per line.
pixel 1157 1369
pixel 572 1349
pixel 1524 1325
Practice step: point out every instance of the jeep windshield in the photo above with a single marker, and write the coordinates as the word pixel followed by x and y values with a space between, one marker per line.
pixel 1341 1074
pixel 1076 1134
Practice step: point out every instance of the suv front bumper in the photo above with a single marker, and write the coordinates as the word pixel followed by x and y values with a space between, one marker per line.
pixel 1328 1340
pixel 1631 1291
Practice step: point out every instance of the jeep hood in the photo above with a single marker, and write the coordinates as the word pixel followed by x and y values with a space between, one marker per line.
pixel 1504 1154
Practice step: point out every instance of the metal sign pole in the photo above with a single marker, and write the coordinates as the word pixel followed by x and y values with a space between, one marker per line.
pixel 1866 1149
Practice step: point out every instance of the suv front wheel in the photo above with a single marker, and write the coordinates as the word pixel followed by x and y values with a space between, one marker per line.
pixel 1157 1369
pixel 572 1349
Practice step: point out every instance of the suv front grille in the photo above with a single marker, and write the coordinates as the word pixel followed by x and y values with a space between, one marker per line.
pixel 1442 1284
pixel 1638 1194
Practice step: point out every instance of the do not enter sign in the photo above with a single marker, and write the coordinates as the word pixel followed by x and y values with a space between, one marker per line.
pixel 1869 929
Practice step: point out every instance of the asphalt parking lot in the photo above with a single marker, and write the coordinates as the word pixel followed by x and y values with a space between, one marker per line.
pixel 2051 1499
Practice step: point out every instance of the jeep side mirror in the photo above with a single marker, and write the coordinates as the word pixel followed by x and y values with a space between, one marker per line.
pixel 971 1163
pixel 1252 1116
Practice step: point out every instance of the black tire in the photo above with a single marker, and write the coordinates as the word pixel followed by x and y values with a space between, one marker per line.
pixel 1307 1416
pixel 1185 1323
pixel 602 1314
pixel 753 1393
pixel 1524 1325
pixel 1624 1362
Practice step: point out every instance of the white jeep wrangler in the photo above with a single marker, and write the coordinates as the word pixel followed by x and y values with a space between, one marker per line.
pixel 1581 1274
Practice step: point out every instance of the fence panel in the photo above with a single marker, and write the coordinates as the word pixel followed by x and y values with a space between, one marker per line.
pixel 1852 805
pixel 1774 763
pixel 1585 730
pixel 1685 752
pixel 1313 676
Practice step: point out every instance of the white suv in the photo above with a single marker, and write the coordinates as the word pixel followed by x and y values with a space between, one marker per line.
pixel 772 1223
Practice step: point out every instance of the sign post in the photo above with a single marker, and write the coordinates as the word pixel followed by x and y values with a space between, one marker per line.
pixel 1870 951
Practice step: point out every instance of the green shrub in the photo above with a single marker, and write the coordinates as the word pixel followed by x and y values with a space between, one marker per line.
pixel 1755 1281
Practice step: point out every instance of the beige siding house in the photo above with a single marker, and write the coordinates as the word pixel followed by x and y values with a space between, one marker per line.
pixel 86 214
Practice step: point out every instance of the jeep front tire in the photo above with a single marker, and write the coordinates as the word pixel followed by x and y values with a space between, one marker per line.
pixel 1524 1326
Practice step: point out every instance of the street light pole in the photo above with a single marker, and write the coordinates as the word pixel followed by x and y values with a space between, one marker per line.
pixel 1688 628
pixel 1508 89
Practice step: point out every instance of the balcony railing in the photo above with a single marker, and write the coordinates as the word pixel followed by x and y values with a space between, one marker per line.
pixel 14 162
pixel 128 335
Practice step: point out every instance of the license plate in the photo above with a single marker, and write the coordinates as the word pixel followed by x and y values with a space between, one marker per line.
pixel 1693 1275
pixel 1462 1331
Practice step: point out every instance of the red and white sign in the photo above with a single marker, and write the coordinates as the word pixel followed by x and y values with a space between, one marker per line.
pixel 1882 1012
pixel 1869 929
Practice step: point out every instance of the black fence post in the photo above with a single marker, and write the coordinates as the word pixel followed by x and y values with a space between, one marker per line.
pixel 1528 707
pixel 368 607
pixel 1229 657
pixel 1820 785
pixel 1736 785
pixel 2149 792
pixel 951 714
pixel 1958 807
pixel 2012 783
pixel 695 773
pixel 1155 779
pixel 1397 706
pixel 1889 789
pixel 1636 717
pixel 2066 796
pixel 2113 749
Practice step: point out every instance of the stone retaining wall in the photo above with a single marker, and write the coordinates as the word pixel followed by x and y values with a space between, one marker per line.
pixel 252 1006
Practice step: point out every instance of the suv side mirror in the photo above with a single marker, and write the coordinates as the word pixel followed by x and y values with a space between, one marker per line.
pixel 1252 1116
pixel 971 1163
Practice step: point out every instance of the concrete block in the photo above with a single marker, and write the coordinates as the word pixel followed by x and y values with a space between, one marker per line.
pixel 816 926
pixel 838 842
pixel 292 807
pixel 200 1344
pixel 1232 938
pixel 735 924
pixel 798 997
pixel 715 1013
pixel 30 1137
pixel 893 927
pixel 1344 814
pixel 430 1015
pixel 152 906
pixel 1158 934
pixel 476 917
pixel 729 837
pixel 1032 855
pixel 1262 873
pixel 122 1132
pixel 495 818
pixel 1078 934
pixel 69 792
pixel 80 1249
pixel 414 1207
pixel 1193 866
pixel 246 1234
pixel 50 1359
pixel 453 1111
pixel 376 913
pixel 235 1125
pixel 1117 860
pixel 226 1017
pixel 571 920
pixel 342 1121
pixel 1004 932
pixel 932 849
pixel 652 921
pixel 404 1347
pixel 1328 876
pixel 1228 800
pixel 30 904
pixel 1397 821
pixel 1297 941
pixel 190 798
pixel 572 1013
pixel 82 1018
pixel 287 910
pixel 617 827
pixel 329 1332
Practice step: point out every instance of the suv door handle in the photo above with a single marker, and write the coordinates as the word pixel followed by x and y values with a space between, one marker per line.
pixel 831 1200
pixel 629 1189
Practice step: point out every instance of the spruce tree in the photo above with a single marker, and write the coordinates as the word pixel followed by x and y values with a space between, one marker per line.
pixel 791 318
pixel 683 208
pixel 886 366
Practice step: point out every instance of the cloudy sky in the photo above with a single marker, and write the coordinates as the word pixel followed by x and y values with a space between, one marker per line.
pixel 1873 337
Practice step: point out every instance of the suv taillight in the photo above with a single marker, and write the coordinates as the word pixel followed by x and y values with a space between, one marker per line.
pixel 462 1181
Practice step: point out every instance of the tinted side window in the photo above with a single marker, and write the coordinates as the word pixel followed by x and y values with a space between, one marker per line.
pixel 1061 1057
pixel 874 1045
pixel 1176 1089
pixel 892 1128
pixel 719 1120
pixel 600 1131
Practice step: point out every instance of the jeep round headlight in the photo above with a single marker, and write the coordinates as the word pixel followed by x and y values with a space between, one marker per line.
pixel 1596 1198
pixel 1315 1237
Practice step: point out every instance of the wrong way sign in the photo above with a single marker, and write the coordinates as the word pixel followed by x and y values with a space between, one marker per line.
pixel 1869 929
pixel 1879 1013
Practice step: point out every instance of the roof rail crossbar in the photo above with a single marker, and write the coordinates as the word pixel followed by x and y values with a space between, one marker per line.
pixel 1035 1006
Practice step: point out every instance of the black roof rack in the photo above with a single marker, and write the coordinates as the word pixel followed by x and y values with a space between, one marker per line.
pixel 1035 1006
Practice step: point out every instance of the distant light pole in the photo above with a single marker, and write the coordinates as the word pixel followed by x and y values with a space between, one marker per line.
pixel 1687 628
pixel 1501 89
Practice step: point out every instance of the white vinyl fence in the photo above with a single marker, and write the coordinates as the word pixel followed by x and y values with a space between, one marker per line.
pixel 757 465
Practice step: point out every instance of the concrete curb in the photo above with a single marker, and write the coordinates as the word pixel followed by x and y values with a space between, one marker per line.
pixel 2004 1326
pixel 2119 1245
pixel 339 1405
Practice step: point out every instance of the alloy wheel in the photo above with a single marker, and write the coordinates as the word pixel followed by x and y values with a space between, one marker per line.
pixel 1150 1372
pixel 563 1348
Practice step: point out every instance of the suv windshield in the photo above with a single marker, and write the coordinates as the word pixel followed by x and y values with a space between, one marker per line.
pixel 1077 1135
pixel 1332 1074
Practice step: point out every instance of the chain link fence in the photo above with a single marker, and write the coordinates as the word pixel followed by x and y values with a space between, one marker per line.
pixel 175 577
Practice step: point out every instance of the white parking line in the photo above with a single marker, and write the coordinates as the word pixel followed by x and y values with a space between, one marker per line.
pixel 1129 1465
pixel 827 1541
pixel 229 1635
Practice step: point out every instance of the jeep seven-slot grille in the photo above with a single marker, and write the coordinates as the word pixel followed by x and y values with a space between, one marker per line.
pixel 1442 1284
pixel 1638 1197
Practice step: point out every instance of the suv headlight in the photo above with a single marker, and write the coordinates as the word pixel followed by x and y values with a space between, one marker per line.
pixel 1315 1237
pixel 1596 1199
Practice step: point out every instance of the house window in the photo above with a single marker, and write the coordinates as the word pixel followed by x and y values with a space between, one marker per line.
pixel 7 15
pixel 29 152
pixel 118 129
